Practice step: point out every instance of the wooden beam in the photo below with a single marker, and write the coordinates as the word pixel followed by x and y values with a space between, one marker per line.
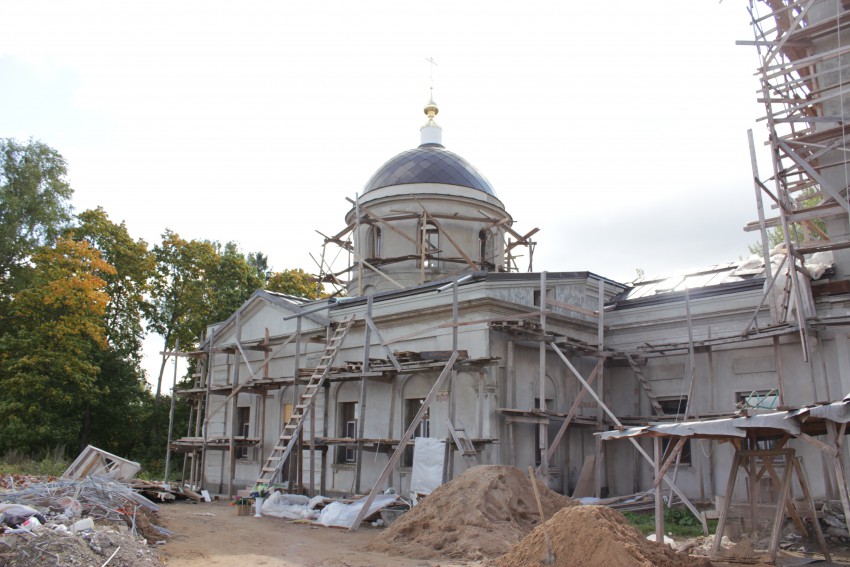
pixel 426 403
pixel 637 445
pixel 573 410
pixel 389 352
pixel 239 387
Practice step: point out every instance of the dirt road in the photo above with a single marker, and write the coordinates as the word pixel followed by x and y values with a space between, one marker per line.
pixel 213 535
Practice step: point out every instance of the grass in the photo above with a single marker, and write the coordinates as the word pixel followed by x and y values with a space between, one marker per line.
pixel 677 521
pixel 52 463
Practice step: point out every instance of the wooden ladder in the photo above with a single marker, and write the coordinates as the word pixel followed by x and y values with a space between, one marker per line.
pixel 290 434
pixel 644 383
pixel 463 443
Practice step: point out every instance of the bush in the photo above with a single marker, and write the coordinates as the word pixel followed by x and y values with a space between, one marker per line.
pixel 677 521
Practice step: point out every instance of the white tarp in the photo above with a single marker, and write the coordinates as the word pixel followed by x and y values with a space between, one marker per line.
pixel 291 506
pixel 343 515
pixel 429 457
pixel 776 420
pixel 836 411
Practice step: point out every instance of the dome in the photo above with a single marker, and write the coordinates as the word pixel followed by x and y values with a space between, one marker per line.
pixel 429 163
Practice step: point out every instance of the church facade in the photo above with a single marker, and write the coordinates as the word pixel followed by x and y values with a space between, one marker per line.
pixel 445 339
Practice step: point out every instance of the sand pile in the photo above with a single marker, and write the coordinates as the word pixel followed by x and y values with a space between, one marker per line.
pixel 595 536
pixel 481 513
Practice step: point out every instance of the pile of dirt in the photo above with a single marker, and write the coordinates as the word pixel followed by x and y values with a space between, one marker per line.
pixel 481 513
pixel 595 536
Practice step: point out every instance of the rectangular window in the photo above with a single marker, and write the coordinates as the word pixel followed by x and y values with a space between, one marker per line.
pixel 243 429
pixel 550 294
pixel 411 407
pixel 347 429
pixel 757 399
pixel 538 453
pixel 675 406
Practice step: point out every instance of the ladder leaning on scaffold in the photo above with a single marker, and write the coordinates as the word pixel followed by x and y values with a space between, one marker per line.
pixel 291 431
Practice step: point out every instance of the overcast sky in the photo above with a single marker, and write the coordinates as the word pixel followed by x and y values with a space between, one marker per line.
pixel 618 128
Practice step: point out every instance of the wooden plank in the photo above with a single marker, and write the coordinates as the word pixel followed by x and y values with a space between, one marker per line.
pixel 634 442
pixel 584 486
pixel 389 352
pixel 573 410
pixel 426 403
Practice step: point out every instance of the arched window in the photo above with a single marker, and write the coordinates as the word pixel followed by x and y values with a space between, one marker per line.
pixel 376 242
pixel 431 244
pixel 483 256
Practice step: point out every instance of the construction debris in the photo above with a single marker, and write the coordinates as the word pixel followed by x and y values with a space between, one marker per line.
pixel 78 522
pixel 595 536
pixel 94 461
pixel 480 514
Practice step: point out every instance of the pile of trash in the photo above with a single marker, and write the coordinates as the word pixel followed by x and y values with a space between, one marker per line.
pixel 78 522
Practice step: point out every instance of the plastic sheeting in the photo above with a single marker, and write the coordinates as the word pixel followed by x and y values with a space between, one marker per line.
pixel 342 515
pixel 429 458
pixel 291 506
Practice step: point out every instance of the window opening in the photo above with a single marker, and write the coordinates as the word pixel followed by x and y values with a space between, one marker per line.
pixel 243 428
pixel 348 416
pixel 431 244
pixel 675 406
pixel 411 408
pixel 377 242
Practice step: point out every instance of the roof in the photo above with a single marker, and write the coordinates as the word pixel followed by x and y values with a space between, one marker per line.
pixel 807 419
pixel 718 279
pixel 429 163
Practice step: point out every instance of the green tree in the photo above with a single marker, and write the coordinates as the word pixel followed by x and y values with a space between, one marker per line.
pixel 294 282
pixel 34 205
pixel 814 229
pixel 115 420
pixel 127 288
pixel 234 279
pixel 181 292
pixel 260 263
pixel 46 359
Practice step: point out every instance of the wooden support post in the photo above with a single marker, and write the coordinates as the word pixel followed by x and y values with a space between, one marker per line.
pixel 574 408
pixel 543 428
pixel 765 245
pixel 361 405
pixel 390 355
pixel 232 447
pixel 803 479
pixel 426 403
pixel 779 514
pixel 727 503
pixel 838 465
pixel 636 445
pixel 659 502
pixel 207 401
pixel 296 457
pixel 171 412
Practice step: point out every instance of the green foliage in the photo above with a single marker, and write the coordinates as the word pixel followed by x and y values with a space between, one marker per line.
pixel 234 280
pixel 34 205
pixel 51 462
pixel 294 282
pixel 134 268
pixel 812 229
pixel 677 521
pixel 47 357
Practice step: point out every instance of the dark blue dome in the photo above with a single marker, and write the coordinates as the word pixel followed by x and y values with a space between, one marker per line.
pixel 429 163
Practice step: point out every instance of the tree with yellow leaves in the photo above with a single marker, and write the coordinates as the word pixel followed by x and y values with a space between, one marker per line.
pixel 56 327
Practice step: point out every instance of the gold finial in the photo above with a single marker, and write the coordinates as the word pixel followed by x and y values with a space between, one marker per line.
pixel 431 109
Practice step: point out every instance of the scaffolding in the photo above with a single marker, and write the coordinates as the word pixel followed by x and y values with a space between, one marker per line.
pixel 803 86
pixel 341 279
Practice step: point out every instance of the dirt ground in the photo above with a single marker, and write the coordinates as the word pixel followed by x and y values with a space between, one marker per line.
pixel 213 534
